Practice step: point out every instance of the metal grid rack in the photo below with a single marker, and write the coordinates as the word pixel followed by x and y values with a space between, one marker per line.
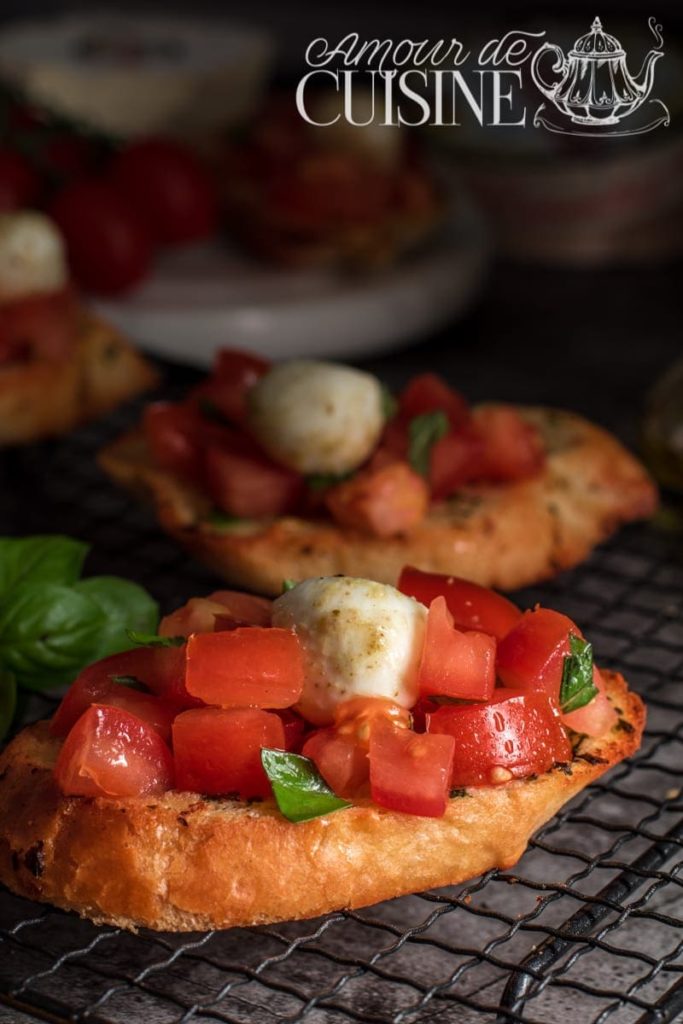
pixel 586 928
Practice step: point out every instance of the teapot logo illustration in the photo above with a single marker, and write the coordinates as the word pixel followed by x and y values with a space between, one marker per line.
pixel 595 91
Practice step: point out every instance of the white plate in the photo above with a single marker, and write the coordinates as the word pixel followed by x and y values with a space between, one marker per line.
pixel 201 299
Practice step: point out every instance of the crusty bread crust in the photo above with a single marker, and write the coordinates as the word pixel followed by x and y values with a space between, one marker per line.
pixel 181 862
pixel 504 536
pixel 46 397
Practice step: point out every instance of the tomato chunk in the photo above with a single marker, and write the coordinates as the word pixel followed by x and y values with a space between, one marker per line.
pixel 202 614
pixel 512 448
pixel 341 761
pixel 595 718
pixel 218 751
pixel 453 461
pixel 455 664
pixel 472 606
pixel 410 772
pixel 98 687
pixel 234 374
pixel 110 752
pixel 513 735
pixel 295 729
pixel 531 656
pixel 429 393
pixel 248 486
pixel 172 431
pixel 383 502
pixel 248 666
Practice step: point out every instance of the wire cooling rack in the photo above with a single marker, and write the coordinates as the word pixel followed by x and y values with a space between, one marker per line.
pixel 587 928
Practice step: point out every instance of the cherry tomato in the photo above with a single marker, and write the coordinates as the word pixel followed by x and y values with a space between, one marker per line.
pixel 112 753
pixel 224 609
pixel 19 183
pixel 168 186
pixel 383 502
pixel 341 761
pixel 595 718
pixel 218 751
pixel 512 448
pixel 513 735
pixel 39 326
pixel 472 606
pixel 429 393
pixel 234 374
pixel 261 667
pixel 531 656
pixel 250 486
pixel 410 772
pixel 455 664
pixel 108 244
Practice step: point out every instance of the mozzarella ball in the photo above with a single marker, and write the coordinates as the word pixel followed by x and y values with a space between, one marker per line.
pixel 360 639
pixel 317 417
pixel 378 142
pixel 32 259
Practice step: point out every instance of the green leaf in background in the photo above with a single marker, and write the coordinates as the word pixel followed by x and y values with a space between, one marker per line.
pixel 8 701
pixel 223 521
pixel 577 687
pixel 288 585
pixel 48 633
pixel 39 560
pixel 300 791
pixel 317 482
pixel 389 404
pixel 423 433
pixel 152 640
pixel 125 605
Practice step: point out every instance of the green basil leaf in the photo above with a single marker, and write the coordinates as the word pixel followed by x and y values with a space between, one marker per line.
pixel 223 521
pixel 423 433
pixel 152 640
pixel 322 481
pixel 8 701
pixel 125 606
pixel 48 633
pixel 577 687
pixel 389 404
pixel 132 682
pixel 288 585
pixel 41 559
pixel 301 793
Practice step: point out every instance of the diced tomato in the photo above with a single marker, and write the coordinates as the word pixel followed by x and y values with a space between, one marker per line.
pixel 410 772
pixel 360 715
pixel 218 750
pixel 512 448
pixel 455 663
pixel 531 656
pixel 595 718
pixel 453 461
pixel 234 374
pixel 172 431
pixel 250 487
pixel 382 502
pixel 394 441
pixel 39 326
pixel 429 393
pixel 112 753
pixel 252 666
pixel 95 686
pixel 224 609
pixel 513 735
pixel 472 606
pixel 294 727
pixel 341 761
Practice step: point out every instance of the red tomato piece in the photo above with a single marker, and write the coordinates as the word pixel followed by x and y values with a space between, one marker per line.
pixel 513 735
pixel 108 244
pixel 341 761
pixel 112 753
pixel 224 609
pixel 294 727
pixel 472 606
pixel 531 656
pixel 39 326
pixel 429 393
pixel 19 183
pixel 383 502
pixel 454 663
pixel 218 750
pixel 170 189
pixel 595 718
pixel 360 715
pixel 453 461
pixel 172 431
pixel 512 448
pixel 234 375
pixel 410 772
pixel 250 487
pixel 253 666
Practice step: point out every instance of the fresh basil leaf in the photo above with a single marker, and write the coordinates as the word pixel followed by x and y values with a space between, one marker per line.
pixel 223 521
pixel 49 559
pixel 288 585
pixel 48 633
pixel 423 433
pixel 577 687
pixel 8 701
pixel 152 640
pixel 125 606
pixel 317 482
pixel 301 793
pixel 132 682
pixel 389 404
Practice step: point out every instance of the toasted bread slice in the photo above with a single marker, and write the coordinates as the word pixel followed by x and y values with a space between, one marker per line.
pixel 181 862
pixel 505 535
pixel 43 397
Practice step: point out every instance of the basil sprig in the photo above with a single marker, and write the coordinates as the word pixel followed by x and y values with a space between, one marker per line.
pixel 153 640
pixel 423 433
pixel 577 687
pixel 300 791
